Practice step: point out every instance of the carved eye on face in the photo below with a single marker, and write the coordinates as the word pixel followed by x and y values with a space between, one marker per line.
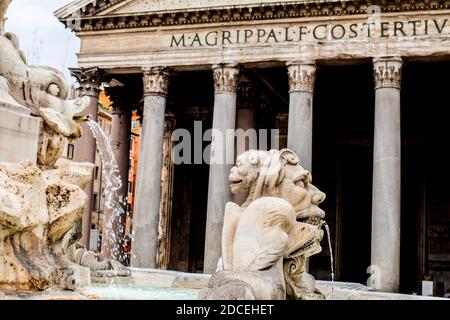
pixel 53 89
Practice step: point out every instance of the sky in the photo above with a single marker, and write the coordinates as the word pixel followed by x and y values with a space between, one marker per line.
pixel 43 39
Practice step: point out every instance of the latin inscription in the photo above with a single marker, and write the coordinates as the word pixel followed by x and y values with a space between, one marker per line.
pixel 368 29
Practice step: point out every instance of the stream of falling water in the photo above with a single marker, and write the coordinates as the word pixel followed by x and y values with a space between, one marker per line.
pixel 331 252
pixel 111 183
pixel 327 229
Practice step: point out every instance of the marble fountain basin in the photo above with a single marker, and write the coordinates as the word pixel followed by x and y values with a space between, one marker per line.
pixel 151 284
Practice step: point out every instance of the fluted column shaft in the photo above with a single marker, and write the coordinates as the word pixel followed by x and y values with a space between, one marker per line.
pixel 148 185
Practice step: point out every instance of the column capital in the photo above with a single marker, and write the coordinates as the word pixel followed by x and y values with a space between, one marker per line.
pixel 90 80
pixel 302 75
pixel 156 80
pixel 387 72
pixel 226 77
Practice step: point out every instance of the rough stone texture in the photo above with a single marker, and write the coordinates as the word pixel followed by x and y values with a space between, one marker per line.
pixel 40 203
pixel 37 209
pixel 387 177
pixel 148 188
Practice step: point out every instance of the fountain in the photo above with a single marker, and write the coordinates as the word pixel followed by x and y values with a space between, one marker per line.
pixel 266 241
pixel 41 195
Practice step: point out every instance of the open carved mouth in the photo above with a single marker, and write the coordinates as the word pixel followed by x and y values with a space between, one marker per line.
pixel 310 248
pixel 314 220
pixel 312 245
pixel 235 181
pixel 236 184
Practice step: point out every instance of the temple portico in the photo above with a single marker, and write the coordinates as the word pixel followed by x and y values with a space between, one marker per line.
pixel 192 66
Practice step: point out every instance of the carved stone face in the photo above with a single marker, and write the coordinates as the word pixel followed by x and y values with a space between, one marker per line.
pixel 50 97
pixel 283 176
pixel 296 188
pixel 244 173
pixel 268 231
pixel 43 90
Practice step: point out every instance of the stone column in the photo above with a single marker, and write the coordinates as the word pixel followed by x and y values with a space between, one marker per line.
pixel 302 75
pixel 114 222
pixel 225 83
pixel 148 185
pixel 386 173
pixel 89 80
pixel 245 120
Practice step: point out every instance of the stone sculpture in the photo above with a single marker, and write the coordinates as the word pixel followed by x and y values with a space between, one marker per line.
pixel 42 90
pixel 37 208
pixel 41 204
pixel 276 183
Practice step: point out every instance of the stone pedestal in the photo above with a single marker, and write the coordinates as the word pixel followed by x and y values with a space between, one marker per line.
pixel 302 75
pixel 148 188
pixel 19 132
pixel 89 85
pixel 225 82
pixel 386 197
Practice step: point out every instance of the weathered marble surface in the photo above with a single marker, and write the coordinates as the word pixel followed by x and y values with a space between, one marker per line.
pixel 211 41
pixel 37 209
pixel 264 245
pixel 42 90
pixel 18 131
pixel 41 195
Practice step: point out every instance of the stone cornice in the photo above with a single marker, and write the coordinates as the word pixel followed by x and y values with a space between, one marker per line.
pixel 89 21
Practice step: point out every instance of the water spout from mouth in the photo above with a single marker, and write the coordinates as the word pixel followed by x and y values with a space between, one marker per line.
pixel 83 118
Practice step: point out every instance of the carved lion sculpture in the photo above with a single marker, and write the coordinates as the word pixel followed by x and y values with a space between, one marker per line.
pixel 43 90
pixel 256 241
pixel 279 174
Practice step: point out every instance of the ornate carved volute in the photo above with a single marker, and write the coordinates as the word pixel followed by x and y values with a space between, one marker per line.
pixel 387 72
pixel 90 80
pixel 302 75
pixel 226 78
pixel 156 80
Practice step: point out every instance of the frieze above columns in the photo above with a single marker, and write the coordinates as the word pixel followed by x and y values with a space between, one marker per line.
pixel 301 75
pixel 156 80
pixel 226 77
pixel 387 72
pixel 89 79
